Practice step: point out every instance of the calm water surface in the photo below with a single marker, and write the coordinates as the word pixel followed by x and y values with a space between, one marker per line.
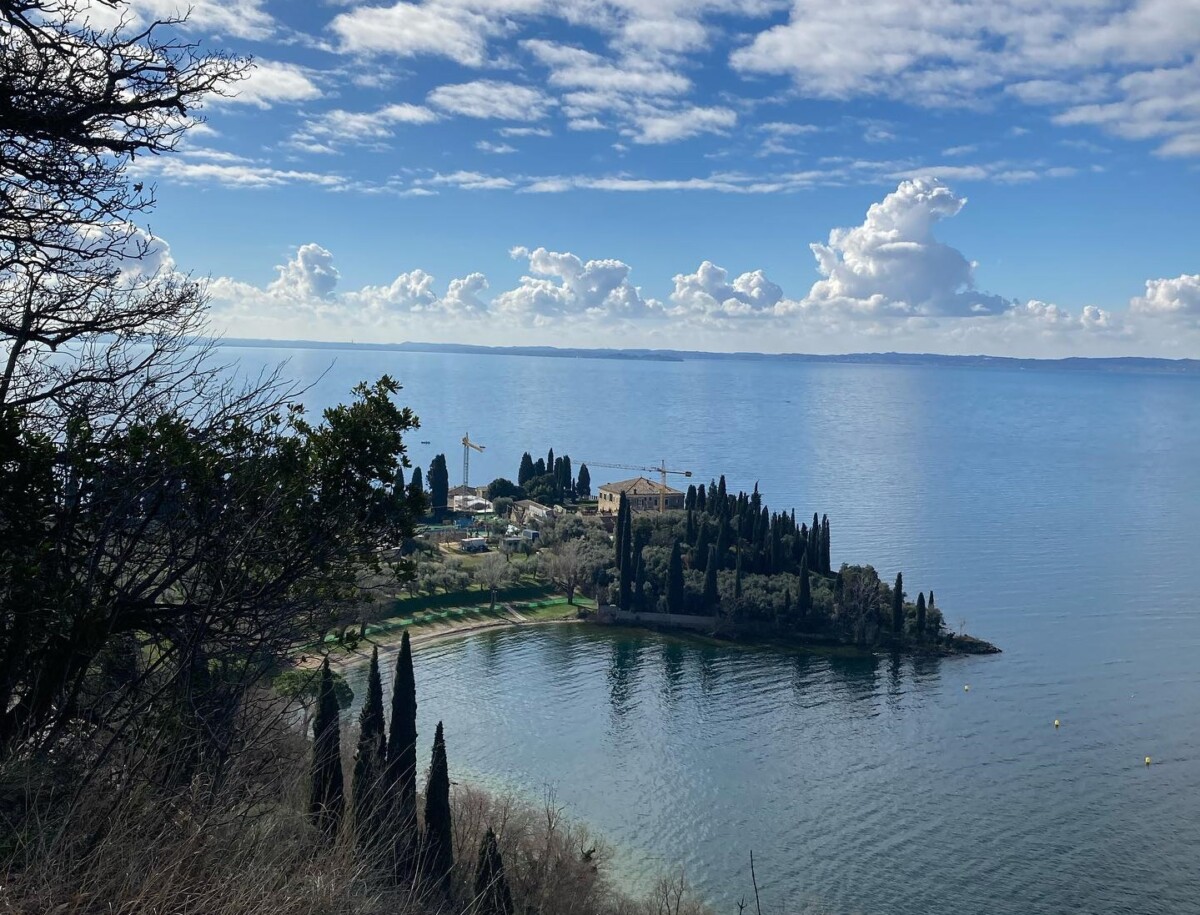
pixel 1057 514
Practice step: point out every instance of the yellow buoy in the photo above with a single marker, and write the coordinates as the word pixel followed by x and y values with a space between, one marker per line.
pixel 1147 760
pixel 1056 722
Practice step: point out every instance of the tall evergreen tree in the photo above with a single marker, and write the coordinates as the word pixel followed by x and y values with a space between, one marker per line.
pixel 929 610
pixel 711 597
pixel 921 615
pixel 639 581
pixel 369 760
pixel 689 500
pixel 814 544
pixel 619 530
pixel 401 780
pixel 550 461
pixel 898 604
pixel 540 468
pixel 583 485
pixel 804 604
pixel 722 545
pixel 326 797
pixel 722 493
pixel 700 498
pixel 826 566
pixel 675 580
pixel 689 534
pixel 438 853
pixel 416 488
pixel 525 473
pixel 492 895
pixel 700 553
pixel 737 573
pixel 439 485
pixel 565 479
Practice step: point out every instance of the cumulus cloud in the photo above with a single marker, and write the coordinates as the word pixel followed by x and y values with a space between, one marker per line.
pixel 272 82
pixel 310 274
pixel 412 30
pixel 1177 298
pixel 708 292
pixel 564 285
pixel 893 264
pixel 487 98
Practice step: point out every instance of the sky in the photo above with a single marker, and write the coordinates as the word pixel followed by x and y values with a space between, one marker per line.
pixel 1011 177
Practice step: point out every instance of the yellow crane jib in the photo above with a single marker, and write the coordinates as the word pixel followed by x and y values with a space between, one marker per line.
pixel 660 469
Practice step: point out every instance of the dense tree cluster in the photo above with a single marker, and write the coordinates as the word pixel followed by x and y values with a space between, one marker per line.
pixel 550 480
pixel 728 555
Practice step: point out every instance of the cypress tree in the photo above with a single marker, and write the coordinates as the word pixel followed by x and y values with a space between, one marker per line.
pixel 711 596
pixel 369 761
pixel 689 501
pixel 921 615
pixel 639 585
pixel 690 532
pixel 805 598
pixel 583 485
pixel 675 580
pixel 700 554
pixel 539 469
pixel 619 532
pixel 550 461
pixel 700 498
pixel 401 780
pixel 492 896
pixel 814 544
pixel 326 798
pixel 722 545
pixel 439 485
pixel 416 489
pixel 737 574
pixel 826 566
pixel 564 476
pixel 438 857
pixel 931 608
pixel 525 474
pixel 898 604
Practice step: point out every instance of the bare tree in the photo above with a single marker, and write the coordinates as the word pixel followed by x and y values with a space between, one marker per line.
pixel 85 304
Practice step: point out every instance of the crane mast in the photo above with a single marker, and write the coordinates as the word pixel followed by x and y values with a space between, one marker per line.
pixel 468 445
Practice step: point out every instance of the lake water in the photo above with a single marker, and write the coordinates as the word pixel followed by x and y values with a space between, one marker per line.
pixel 1058 514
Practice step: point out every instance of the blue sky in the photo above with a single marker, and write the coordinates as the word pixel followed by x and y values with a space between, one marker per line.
pixel 1001 176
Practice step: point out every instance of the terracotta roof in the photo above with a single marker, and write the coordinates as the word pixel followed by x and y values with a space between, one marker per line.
pixel 639 486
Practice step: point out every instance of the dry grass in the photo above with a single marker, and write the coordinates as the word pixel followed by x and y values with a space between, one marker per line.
pixel 249 849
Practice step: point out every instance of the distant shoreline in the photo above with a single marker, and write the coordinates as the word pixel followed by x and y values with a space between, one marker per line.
pixel 1110 364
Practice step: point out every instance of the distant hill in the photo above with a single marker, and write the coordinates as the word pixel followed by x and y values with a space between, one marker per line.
pixel 1140 364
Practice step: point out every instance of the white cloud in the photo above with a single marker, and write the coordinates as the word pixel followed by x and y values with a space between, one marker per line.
pixel 708 293
pixel 498 149
pixel 272 82
pixel 1177 298
pixel 487 98
pixel 594 288
pixel 221 18
pixel 310 274
pixel 668 127
pixel 524 132
pixel 892 264
pixel 236 174
pixel 411 30
pixel 575 68
pixel 329 130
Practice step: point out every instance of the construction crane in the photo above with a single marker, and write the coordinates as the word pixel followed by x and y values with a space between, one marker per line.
pixel 661 470
pixel 467 446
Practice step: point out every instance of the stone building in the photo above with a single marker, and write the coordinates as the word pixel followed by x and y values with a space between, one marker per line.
pixel 641 493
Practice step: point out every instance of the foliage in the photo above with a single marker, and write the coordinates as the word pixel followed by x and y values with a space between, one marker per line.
pixel 501 488
pixel 437 856
pixel 400 782
pixel 369 799
pixel 492 895
pixel 438 480
pixel 326 795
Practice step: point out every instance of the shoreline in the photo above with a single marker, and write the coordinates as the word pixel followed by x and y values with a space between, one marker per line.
pixel 425 635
